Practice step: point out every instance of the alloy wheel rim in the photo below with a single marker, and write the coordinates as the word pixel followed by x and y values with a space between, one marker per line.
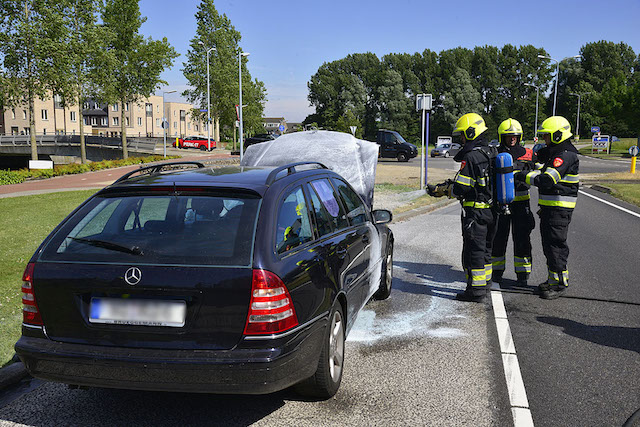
pixel 336 347
pixel 389 272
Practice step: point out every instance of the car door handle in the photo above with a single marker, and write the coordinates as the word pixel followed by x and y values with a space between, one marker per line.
pixel 341 251
pixel 365 238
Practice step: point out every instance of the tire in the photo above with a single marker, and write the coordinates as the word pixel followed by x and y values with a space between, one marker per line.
pixel 402 157
pixel 386 277
pixel 328 376
pixel 203 148
pixel 446 154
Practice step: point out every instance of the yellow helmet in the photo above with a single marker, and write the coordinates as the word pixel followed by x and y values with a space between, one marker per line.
pixel 510 127
pixel 558 127
pixel 471 125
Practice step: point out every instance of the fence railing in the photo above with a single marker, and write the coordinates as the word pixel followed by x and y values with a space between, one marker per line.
pixel 135 143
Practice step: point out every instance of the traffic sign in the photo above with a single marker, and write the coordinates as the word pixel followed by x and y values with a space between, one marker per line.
pixel 423 102
pixel 281 128
pixel 595 129
pixel 535 139
pixel 203 111
pixel 353 130
pixel 634 150
pixel 600 143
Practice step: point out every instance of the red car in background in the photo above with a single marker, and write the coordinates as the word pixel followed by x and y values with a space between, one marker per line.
pixel 198 142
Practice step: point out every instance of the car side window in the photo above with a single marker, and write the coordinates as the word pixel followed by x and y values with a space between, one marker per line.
pixel 293 227
pixel 329 200
pixel 147 209
pixel 389 138
pixel 323 219
pixel 356 211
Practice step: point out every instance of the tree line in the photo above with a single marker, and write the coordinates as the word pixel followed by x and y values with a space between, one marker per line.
pixel 93 49
pixel 371 93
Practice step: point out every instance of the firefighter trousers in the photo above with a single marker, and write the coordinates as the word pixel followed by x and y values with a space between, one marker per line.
pixel 478 230
pixel 554 229
pixel 520 222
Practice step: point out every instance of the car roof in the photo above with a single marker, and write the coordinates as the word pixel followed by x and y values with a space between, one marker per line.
pixel 257 179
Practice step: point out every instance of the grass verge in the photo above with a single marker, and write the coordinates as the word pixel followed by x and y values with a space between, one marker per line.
pixel 419 202
pixel 26 221
pixel 630 193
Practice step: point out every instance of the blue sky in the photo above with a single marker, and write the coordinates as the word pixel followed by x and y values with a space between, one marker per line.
pixel 289 40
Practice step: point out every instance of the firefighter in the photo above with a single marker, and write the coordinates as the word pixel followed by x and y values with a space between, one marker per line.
pixel 557 184
pixel 519 218
pixel 473 186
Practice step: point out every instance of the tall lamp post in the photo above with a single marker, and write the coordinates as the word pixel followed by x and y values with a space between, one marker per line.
pixel 208 98
pixel 164 122
pixel 240 55
pixel 578 115
pixel 555 94
pixel 535 130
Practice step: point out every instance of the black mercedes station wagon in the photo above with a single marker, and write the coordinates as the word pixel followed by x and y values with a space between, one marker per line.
pixel 180 277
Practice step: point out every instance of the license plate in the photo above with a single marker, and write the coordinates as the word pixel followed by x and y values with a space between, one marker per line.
pixel 137 312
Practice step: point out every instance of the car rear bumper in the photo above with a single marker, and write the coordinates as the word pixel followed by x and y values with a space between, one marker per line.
pixel 282 363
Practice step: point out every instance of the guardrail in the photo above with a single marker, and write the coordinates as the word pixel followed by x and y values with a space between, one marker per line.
pixel 134 143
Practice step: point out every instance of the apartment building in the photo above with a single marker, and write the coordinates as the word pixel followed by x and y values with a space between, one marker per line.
pixel 142 119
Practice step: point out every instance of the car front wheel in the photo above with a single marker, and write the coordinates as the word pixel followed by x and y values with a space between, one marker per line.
pixel 203 148
pixel 402 157
pixel 386 277
pixel 446 154
pixel 326 381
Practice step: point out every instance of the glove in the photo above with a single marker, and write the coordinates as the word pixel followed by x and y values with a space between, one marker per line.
pixel 440 190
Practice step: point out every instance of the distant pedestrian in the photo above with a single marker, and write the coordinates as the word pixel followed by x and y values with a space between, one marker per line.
pixel 519 218
pixel 557 183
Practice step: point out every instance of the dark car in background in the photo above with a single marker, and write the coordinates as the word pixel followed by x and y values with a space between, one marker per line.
pixel 198 142
pixel 446 150
pixel 257 139
pixel 393 146
pixel 229 280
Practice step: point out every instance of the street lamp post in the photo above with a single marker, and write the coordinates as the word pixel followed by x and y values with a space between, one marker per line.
pixel 240 55
pixel 555 94
pixel 535 130
pixel 164 122
pixel 578 115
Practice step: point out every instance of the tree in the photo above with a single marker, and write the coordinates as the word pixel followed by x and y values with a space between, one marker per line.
pixel 461 98
pixel 32 51
pixel 138 62
pixel 216 31
pixel 86 58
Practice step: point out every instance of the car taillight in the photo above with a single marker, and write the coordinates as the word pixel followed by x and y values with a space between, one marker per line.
pixel 271 309
pixel 30 312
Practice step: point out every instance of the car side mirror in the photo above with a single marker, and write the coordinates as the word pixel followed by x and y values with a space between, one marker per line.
pixel 382 216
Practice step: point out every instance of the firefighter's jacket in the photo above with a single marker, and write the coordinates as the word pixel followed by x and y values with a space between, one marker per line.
pixel 557 180
pixel 473 184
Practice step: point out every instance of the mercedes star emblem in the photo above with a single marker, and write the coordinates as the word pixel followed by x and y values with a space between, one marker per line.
pixel 133 276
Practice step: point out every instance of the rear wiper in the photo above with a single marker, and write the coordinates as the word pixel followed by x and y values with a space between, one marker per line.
pixel 134 250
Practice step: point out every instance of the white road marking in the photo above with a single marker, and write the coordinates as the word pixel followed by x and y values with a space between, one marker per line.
pixel 609 203
pixel 515 385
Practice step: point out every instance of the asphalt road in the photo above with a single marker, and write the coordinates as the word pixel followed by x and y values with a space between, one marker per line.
pixel 580 355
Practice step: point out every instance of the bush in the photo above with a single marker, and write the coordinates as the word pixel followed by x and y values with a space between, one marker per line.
pixel 16 177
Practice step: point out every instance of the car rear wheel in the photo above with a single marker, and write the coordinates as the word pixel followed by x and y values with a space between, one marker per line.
pixel 326 381
pixel 386 277
pixel 203 148
pixel 446 154
pixel 402 157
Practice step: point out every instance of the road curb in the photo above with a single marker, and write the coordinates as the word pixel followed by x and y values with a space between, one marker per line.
pixel 12 374
pixel 422 210
pixel 601 188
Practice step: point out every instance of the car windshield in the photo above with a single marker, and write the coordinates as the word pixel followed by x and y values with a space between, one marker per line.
pixel 444 146
pixel 399 137
pixel 186 229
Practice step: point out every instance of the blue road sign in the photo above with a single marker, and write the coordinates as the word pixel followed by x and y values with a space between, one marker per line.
pixel 203 111
pixel 595 129
pixel 281 128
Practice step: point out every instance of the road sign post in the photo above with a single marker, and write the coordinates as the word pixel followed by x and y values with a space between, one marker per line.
pixel 634 150
pixel 423 103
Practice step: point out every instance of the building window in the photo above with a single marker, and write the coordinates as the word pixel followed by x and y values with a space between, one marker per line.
pixel 158 123
pixel 149 108
pixel 127 121
pixel 189 126
pixel 175 125
pixel 116 122
pixel 13 113
pixel 126 106
pixel 157 108
pixel 114 107
pixel 44 131
pixel 105 121
pixel 196 126
pixel 94 121
pixel 24 114
pixel 27 131
pixel 85 105
pixel 72 116
pixel 45 116
pixel 139 121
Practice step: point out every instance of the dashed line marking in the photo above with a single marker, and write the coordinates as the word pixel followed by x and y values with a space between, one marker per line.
pixel 515 385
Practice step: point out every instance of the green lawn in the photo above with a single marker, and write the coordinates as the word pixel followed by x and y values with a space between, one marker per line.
pixel 628 192
pixel 26 221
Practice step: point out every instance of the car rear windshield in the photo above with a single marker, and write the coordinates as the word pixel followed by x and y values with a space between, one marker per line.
pixel 178 229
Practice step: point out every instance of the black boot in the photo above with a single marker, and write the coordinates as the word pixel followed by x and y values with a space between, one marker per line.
pixel 469 296
pixel 522 279
pixel 550 292
pixel 497 276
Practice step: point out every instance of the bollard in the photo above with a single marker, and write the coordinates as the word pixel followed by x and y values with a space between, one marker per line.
pixel 633 164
